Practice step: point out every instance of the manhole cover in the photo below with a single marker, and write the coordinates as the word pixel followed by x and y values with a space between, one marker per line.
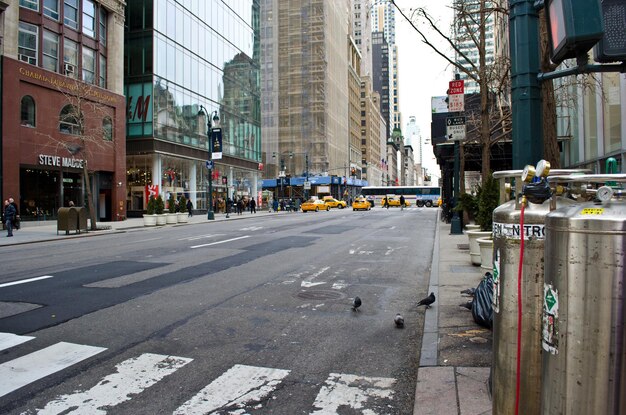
pixel 320 295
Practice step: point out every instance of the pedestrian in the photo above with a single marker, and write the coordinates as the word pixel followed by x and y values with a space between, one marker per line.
pixel 252 205
pixel 16 220
pixel 240 206
pixel 275 205
pixel 189 208
pixel 401 202
pixel 282 204
pixel 9 217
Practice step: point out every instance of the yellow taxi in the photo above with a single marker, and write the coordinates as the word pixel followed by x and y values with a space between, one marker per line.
pixel 334 203
pixel 361 203
pixel 394 201
pixel 314 205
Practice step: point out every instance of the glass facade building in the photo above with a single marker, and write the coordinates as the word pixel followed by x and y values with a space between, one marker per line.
pixel 187 62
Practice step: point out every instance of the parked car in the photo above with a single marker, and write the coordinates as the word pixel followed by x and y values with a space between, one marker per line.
pixel 314 205
pixel 334 203
pixel 360 203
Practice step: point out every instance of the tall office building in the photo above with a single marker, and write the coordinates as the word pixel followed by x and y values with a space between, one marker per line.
pixel 384 20
pixel 62 106
pixel 305 100
pixel 380 76
pixel 191 66
pixel 362 33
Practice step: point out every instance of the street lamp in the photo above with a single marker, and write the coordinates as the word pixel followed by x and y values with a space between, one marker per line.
pixel 216 119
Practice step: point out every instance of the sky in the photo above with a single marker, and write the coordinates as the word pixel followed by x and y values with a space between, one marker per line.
pixel 422 73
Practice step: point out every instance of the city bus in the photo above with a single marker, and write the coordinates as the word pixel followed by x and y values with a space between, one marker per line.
pixel 416 195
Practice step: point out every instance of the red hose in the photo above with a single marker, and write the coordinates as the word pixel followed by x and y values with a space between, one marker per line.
pixel 519 309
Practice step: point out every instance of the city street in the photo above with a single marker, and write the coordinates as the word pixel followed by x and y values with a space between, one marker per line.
pixel 241 316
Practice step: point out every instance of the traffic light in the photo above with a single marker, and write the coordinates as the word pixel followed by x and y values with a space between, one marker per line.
pixel 574 27
pixel 612 46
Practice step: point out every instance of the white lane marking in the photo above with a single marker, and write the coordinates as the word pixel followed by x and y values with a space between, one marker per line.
pixel 339 285
pixel 132 377
pixel 251 228
pixel 193 238
pixel 356 392
pixel 238 387
pixel 309 281
pixel 8 284
pixel 9 340
pixel 146 240
pixel 26 369
pixel 220 242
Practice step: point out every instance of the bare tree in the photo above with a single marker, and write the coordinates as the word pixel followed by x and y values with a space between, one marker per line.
pixel 491 76
pixel 86 129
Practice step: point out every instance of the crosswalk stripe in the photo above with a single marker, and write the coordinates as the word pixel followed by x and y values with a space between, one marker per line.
pixel 220 242
pixel 351 391
pixel 26 369
pixel 9 340
pixel 241 385
pixel 132 377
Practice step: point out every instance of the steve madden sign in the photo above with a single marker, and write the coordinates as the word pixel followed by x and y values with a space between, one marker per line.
pixel 57 161
pixel 513 231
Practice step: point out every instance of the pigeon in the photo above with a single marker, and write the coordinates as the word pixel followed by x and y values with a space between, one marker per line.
pixel 427 301
pixel 469 291
pixel 356 303
pixel 467 305
pixel 399 320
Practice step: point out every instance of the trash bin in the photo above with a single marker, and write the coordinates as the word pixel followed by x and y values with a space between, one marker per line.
pixel 67 220
pixel 81 219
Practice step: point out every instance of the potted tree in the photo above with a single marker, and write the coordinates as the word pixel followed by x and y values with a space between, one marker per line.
pixel 488 201
pixel 160 208
pixel 183 216
pixel 171 208
pixel 468 207
pixel 150 218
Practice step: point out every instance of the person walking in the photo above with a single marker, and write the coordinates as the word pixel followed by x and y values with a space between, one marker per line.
pixel 252 205
pixel 16 219
pixel 189 208
pixel 401 202
pixel 9 217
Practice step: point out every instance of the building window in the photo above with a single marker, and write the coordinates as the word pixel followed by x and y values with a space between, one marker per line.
pixel 51 9
pixel 70 58
pixel 103 26
pixel 28 111
pixel 107 129
pixel 102 78
pixel 27 43
pixel 30 4
pixel 89 18
pixel 89 65
pixel 69 120
pixel 50 51
pixel 70 14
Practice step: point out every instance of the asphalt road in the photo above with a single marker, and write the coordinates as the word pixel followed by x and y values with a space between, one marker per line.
pixel 238 317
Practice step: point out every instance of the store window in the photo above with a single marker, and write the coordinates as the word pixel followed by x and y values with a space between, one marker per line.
pixel 50 51
pixel 107 129
pixel 70 14
pixel 30 4
pixel 27 43
pixel 70 120
pixel 51 9
pixel 27 111
pixel 89 18
pixel 89 65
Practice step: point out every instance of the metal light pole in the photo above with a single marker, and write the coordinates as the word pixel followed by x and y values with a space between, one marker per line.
pixel 216 118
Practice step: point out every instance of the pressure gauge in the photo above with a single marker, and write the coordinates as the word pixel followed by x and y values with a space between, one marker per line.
pixel 528 173
pixel 604 193
pixel 543 168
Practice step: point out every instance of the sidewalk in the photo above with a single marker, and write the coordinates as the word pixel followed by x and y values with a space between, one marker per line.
pixel 42 231
pixel 456 352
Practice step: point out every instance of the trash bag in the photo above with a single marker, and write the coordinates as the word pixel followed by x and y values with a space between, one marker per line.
pixel 482 304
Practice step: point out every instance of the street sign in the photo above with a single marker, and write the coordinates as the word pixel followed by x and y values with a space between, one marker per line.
pixel 455 128
pixel 209 164
pixel 456 96
pixel 307 185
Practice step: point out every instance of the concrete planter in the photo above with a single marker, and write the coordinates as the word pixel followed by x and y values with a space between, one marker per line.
pixel 171 218
pixel 161 219
pixel 486 253
pixel 472 227
pixel 473 244
pixel 182 217
pixel 149 220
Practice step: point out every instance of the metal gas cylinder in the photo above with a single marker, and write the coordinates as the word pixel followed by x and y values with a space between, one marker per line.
pixel 584 312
